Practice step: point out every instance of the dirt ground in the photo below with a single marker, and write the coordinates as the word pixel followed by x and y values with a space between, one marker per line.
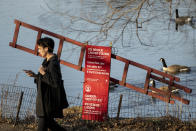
pixel 72 122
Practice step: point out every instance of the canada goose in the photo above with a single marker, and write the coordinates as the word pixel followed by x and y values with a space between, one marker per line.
pixel 164 88
pixel 181 20
pixel 174 90
pixel 173 69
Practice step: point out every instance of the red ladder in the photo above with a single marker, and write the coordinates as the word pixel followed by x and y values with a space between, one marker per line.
pixel 151 73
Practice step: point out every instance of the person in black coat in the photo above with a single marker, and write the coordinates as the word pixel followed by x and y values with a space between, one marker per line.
pixel 51 96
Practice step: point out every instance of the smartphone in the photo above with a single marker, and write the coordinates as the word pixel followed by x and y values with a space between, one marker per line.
pixel 26 70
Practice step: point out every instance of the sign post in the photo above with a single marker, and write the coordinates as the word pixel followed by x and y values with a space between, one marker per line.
pixel 96 85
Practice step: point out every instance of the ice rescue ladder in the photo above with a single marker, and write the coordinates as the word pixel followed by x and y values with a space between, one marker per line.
pixel 151 73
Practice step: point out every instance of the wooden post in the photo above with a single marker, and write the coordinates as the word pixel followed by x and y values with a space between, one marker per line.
pixel 18 108
pixel 1 108
pixel 119 106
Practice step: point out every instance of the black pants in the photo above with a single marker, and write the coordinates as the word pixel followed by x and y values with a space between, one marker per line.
pixel 48 123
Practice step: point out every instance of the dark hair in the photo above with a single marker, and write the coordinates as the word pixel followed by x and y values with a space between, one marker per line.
pixel 46 42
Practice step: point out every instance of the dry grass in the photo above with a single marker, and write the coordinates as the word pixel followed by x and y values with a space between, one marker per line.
pixel 72 121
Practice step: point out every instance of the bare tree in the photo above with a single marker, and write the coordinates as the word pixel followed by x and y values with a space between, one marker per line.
pixel 120 16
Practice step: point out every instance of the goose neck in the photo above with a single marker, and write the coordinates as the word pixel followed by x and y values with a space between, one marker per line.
pixel 153 84
pixel 177 15
pixel 164 63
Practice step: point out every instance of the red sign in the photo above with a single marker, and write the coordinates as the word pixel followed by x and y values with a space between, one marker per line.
pixel 96 86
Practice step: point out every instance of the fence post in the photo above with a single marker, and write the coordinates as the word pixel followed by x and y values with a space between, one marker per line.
pixel 1 106
pixel 119 106
pixel 18 108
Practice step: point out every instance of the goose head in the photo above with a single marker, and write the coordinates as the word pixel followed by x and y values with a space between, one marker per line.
pixel 177 15
pixel 152 83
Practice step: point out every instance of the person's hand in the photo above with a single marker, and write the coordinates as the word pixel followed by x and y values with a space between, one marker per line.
pixel 42 70
pixel 30 73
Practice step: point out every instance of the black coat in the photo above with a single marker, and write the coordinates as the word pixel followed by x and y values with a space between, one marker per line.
pixel 51 96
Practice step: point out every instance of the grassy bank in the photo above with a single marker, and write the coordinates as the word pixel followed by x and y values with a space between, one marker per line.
pixel 72 121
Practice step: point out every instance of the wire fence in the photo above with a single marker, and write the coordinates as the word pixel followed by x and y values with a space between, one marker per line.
pixel 10 101
pixel 133 104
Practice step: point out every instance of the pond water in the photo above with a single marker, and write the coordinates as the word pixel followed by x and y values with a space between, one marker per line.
pixel 177 47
